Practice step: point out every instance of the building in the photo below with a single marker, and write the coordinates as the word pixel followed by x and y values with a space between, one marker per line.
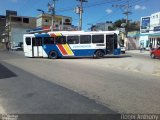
pixel 102 26
pixel 2 27
pixel 18 25
pixel 150 30
pixel 154 36
pixel 15 27
pixel 60 23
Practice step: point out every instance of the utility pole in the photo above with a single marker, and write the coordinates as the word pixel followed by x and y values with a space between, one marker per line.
pixel 51 8
pixel 126 11
pixel 125 25
pixel 79 10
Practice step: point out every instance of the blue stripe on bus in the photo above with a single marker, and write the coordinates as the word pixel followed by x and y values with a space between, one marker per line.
pixel 85 52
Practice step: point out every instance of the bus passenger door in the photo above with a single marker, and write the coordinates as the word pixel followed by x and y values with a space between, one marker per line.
pixel 37 47
pixel 109 44
pixel 27 47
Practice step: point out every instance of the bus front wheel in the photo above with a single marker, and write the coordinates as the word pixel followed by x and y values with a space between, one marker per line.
pixel 99 54
pixel 53 55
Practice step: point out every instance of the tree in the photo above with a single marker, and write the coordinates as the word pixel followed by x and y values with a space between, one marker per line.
pixel 132 26
pixel 118 23
pixel 110 28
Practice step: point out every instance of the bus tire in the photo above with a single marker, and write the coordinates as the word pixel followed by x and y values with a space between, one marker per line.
pixel 53 55
pixel 99 54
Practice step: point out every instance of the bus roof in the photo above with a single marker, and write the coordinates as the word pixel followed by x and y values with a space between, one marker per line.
pixel 73 33
pixel 83 32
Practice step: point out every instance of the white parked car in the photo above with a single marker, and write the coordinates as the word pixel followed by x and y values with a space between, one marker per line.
pixel 123 50
pixel 16 48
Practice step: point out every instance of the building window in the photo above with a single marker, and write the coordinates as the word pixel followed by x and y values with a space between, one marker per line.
pixel 16 19
pixel 67 20
pixel 46 20
pixel 56 26
pixel 25 20
pixel 66 23
pixel 156 16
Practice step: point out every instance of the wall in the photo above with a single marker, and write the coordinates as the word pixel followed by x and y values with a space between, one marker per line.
pixel 2 26
pixel 131 43
pixel 17 35
pixel 18 26
pixel 60 22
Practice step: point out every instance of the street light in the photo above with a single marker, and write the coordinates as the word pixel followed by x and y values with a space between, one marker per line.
pixel 41 11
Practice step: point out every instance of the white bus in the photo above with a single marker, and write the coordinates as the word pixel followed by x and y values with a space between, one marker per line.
pixel 71 43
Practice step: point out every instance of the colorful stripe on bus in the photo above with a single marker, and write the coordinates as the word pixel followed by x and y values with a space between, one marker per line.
pixel 63 48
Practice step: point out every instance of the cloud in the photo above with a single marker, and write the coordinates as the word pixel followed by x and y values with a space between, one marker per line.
pixel 109 11
pixel 139 7
pixel 143 8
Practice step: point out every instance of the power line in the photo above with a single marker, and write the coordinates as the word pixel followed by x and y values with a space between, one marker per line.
pixel 90 5
pixel 101 3
pixel 126 8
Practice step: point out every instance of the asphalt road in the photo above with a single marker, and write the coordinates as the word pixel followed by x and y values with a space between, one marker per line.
pixel 24 93
pixel 109 85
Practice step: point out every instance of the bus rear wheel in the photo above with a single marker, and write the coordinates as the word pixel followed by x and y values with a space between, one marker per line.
pixel 53 55
pixel 99 54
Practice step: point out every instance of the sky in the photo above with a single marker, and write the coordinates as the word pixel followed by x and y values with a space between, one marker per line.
pixel 95 11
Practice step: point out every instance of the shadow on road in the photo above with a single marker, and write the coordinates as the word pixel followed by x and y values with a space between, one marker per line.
pixel 29 94
pixel 5 72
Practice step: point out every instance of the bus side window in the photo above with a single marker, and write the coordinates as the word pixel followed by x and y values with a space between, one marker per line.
pixel 38 41
pixel 48 40
pixel 28 40
pixel 60 40
pixel 85 39
pixel 97 38
pixel 73 39
pixel 52 40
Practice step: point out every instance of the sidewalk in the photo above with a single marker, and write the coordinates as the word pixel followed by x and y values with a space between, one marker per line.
pixel 144 52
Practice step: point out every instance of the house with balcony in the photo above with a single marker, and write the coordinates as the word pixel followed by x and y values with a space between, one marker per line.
pixel 60 23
